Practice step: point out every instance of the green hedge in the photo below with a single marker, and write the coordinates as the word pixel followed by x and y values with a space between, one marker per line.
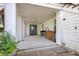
pixel 1 29
pixel 7 44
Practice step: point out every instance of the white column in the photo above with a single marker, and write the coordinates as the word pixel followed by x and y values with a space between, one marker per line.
pixel 19 28
pixel 10 18
pixel 23 29
pixel 59 23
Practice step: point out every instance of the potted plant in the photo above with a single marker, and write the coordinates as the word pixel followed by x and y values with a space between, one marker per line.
pixel 7 44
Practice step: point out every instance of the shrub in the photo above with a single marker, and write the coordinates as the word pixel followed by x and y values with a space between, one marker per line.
pixel 1 29
pixel 7 44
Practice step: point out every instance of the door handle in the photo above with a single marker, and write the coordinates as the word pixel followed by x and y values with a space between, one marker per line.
pixel 75 27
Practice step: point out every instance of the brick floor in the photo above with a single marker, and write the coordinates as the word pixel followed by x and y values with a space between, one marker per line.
pixel 47 52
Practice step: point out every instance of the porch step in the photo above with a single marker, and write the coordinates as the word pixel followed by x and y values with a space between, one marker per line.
pixel 38 48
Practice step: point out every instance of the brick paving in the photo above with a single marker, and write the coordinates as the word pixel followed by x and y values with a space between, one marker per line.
pixel 57 51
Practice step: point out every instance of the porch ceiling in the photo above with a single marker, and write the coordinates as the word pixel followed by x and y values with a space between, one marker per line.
pixel 34 13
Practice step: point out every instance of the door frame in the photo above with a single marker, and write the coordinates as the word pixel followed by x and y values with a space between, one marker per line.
pixel 35 29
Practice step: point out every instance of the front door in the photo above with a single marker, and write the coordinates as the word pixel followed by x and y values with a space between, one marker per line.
pixel 33 29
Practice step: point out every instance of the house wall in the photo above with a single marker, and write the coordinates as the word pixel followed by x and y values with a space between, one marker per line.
pixel 50 23
pixel 70 34
pixel 39 28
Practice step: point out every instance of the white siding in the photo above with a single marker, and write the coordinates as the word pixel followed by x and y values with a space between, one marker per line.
pixel 70 35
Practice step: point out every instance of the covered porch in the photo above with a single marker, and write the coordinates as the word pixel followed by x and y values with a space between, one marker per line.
pixel 31 20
